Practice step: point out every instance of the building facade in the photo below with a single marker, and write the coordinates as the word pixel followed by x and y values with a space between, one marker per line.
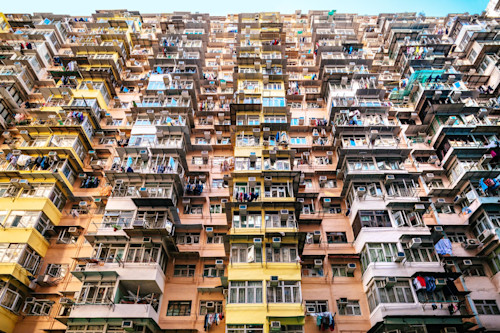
pixel 249 173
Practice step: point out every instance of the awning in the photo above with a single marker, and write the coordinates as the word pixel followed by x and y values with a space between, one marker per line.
pixel 298 320
pixel 401 321
pixel 95 275
pixel 343 256
pixel 453 275
pixel 210 289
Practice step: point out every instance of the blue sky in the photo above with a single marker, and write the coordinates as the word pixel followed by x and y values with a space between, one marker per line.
pixel 85 7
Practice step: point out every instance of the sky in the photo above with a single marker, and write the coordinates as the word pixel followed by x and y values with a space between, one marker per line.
pixel 220 7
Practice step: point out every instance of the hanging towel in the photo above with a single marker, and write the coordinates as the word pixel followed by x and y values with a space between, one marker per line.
pixel 443 246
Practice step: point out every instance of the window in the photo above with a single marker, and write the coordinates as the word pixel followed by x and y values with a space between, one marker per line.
pixel 188 238
pixel 96 293
pixel 118 218
pixel 57 270
pixel 216 209
pixel 319 306
pixel 184 270
pixel 215 239
pixel 309 270
pixel 179 308
pixel 341 271
pixel 486 307
pixel 212 271
pixel 217 183
pixel 352 308
pixel 10 297
pixel 245 328
pixel 284 292
pixel 378 293
pixel 298 140
pixel 330 183
pixel 285 253
pixel 245 253
pixel 376 218
pixel 40 307
pixel 194 209
pixel 251 220
pixel 214 307
pixel 456 237
pixel 376 252
pixel 422 254
pixel 336 237
pixel 404 218
pixel 333 209
pixel 245 292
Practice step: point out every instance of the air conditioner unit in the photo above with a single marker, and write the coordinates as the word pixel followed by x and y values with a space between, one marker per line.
pixel 318 263
pixel 389 179
pixel 73 231
pixel 284 214
pixel 415 243
pixel 276 242
pixel 268 180
pixel 30 300
pixel 253 157
pixel 467 262
pixel 432 159
pixel 441 200
pixel 243 209
pixel 351 267
pixel 147 240
pixel 209 231
pixel 119 181
pixel 274 281
pixel 128 325
pixel 361 191
pixel 470 244
pixel 343 301
pixel 252 181
pixel 429 176
pixel 438 228
pixel 419 208
pixel 25 135
pixel 311 309
pixel 373 134
pixel 440 283
pixel 451 120
pixel 390 281
pixel 210 305
pixel 327 202
pixel 485 159
pixel 485 236
pixel 257 242
pixel 24 183
pixel 15 182
pixel 65 301
pixel 449 330
pixel 322 180
pixel 398 257
pixel 219 263
pixel 276 325
pixel 449 263
pixel 143 192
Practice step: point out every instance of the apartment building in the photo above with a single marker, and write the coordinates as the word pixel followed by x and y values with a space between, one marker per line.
pixel 249 173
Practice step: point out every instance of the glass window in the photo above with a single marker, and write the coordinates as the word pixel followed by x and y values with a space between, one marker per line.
pixel 245 292
pixel 184 270
pixel 284 292
pixel 179 308
pixel 486 307
pixel 351 308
